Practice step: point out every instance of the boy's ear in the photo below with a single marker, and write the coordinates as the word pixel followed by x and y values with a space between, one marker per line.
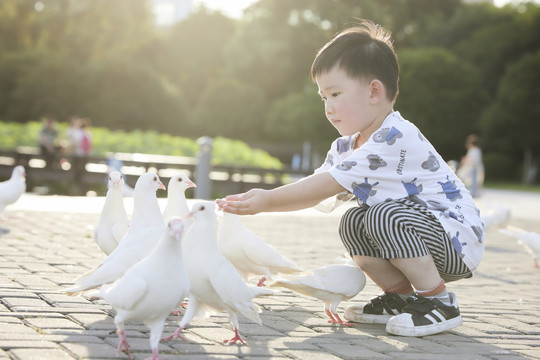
pixel 377 91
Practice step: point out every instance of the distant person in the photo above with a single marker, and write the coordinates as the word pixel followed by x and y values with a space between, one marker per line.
pixel 85 142
pixel 48 138
pixel 471 167
pixel 73 136
pixel 416 227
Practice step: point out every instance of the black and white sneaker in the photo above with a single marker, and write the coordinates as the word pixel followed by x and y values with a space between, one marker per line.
pixel 423 316
pixel 378 311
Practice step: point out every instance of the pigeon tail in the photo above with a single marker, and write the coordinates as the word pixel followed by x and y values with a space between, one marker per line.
pixel 250 311
pixel 258 291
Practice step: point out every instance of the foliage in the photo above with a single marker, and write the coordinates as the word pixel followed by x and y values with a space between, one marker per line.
pixel 130 96
pixel 436 76
pixel 104 141
pixel 230 108
pixel 248 78
pixel 515 114
pixel 299 117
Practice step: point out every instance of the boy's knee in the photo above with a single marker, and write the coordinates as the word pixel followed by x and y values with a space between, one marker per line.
pixel 365 263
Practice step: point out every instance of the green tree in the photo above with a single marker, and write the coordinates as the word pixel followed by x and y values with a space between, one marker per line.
pixel 511 122
pixel 274 47
pixel 41 82
pixel 191 54
pixel 128 95
pixel 232 109
pixel 488 37
pixel 300 117
pixel 442 96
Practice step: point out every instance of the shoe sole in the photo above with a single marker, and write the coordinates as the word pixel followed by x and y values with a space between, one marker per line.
pixel 398 329
pixel 367 318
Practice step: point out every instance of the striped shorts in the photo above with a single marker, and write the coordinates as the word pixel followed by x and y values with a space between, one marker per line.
pixel 401 229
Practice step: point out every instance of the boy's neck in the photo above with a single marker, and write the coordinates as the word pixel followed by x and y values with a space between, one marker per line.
pixel 379 119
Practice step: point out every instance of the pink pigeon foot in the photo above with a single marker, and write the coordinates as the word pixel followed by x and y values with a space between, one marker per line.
pixel 335 319
pixel 123 343
pixel 261 281
pixel 177 334
pixel 179 312
pixel 155 355
pixel 235 338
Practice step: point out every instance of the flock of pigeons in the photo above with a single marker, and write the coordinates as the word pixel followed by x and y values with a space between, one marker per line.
pixel 156 260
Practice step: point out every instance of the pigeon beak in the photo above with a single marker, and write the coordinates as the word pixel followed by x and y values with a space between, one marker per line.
pixel 191 184
pixel 161 186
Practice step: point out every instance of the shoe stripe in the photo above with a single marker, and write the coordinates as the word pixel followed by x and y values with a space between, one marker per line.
pixel 432 318
pixel 440 317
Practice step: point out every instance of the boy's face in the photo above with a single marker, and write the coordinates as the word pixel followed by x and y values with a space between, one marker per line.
pixel 346 101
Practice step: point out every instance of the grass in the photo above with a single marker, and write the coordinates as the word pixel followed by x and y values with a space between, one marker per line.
pixel 513 186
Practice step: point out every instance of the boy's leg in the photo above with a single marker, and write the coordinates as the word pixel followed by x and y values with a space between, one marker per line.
pixel 395 285
pixel 398 231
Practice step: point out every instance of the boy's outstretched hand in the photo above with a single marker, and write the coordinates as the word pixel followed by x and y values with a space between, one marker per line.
pixel 252 202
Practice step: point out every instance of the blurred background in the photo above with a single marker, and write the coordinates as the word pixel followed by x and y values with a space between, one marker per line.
pixel 176 70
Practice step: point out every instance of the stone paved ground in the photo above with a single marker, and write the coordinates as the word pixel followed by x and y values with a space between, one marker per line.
pixel 47 242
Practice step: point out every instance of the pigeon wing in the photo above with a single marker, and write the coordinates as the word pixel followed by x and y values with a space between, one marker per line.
pixel 119 229
pixel 126 292
pixel 341 279
pixel 234 292
pixel 264 254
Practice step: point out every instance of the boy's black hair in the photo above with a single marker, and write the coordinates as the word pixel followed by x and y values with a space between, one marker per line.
pixel 364 52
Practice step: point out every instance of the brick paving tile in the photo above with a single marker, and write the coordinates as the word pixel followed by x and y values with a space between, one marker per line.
pixel 38 321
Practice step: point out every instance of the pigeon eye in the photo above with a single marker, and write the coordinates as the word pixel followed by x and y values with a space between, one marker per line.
pixel 179 179
pixel 155 178
pixel 202 208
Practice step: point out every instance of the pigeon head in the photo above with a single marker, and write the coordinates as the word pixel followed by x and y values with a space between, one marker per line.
pixel 116 179
pixel 203 209
pixel 149 181
pixel 180 182
pixel 19 172
pixel 175 228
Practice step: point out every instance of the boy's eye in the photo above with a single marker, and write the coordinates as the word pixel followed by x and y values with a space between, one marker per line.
pixel 335 94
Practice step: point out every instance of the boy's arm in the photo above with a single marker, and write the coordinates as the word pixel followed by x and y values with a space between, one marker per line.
pixel 302 194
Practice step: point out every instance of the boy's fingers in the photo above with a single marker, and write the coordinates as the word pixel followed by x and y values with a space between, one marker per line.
pixel 236 197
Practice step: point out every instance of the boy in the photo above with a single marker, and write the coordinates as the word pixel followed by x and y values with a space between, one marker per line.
pixel 416 225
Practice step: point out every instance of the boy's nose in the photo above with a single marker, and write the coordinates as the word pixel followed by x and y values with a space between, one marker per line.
pixel 328 108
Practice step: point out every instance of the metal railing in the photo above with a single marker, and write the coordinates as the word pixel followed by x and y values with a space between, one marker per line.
pixel 76 175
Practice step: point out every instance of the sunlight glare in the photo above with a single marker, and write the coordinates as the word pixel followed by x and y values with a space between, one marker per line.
pixel 232 8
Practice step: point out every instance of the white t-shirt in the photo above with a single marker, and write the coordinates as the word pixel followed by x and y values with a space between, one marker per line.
pixel 398 162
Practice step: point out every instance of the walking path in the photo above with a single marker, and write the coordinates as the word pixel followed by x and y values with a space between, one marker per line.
pixel 47 242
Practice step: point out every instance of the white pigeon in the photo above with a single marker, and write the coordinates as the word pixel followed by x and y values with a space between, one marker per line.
pixel 145 230
pixel 12 189
pixel 528 239
pixel 113 221
pixel 215 285
pixel 332 284
pixel 150 289
pixel 495 216
pixel 116 165
pixel 250 254
pixel 176 198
